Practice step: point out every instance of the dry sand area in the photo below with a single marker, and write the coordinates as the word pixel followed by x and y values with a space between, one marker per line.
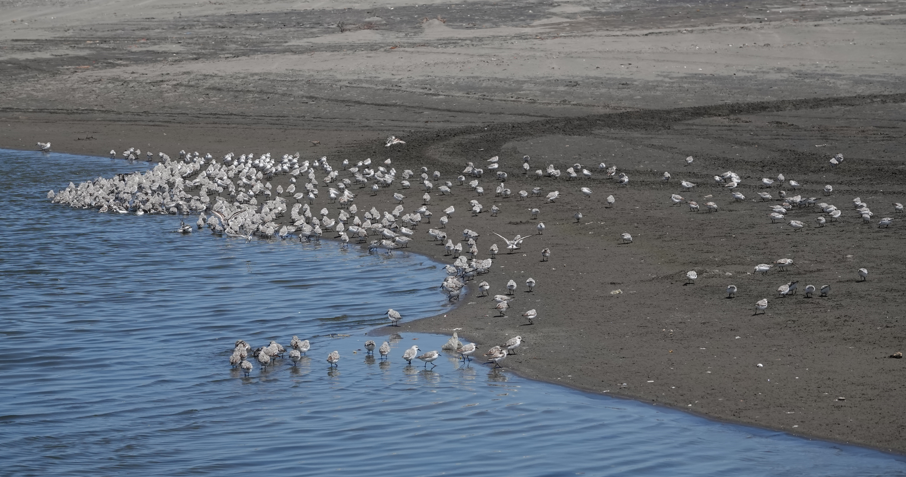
pixel 759 89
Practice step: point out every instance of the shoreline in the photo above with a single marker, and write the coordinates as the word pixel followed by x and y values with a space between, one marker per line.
pixel 639 89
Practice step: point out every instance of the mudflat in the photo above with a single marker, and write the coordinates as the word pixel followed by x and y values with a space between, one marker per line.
pixel 753 90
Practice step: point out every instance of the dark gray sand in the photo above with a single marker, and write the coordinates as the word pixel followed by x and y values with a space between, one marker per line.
pixel 754 90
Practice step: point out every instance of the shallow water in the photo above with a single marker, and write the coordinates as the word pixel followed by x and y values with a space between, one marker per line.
pixel 117 334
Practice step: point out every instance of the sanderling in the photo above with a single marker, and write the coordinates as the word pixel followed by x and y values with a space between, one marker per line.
pixel 545 254
pixel 626 237
pixel 410 354
pixel 333 358
pixel 44 146
pixel 731 291
pixel 692 276
pixel 393 140
pixel 466 350
pixel 530 316
pixel 610 201
pixel 783 263
pixel 586 191
pixel 514 244
pixel 384 350
pixel 511 287
pixel 825 290
pixel 578 217
pixel 677 199
pixel 540 228
pixel 394 317
pixel 863 273
pixel 530 283
pixel 687 186
pixel 828 189
pixel 502 307
pixel 885 222
pixel 235 358
pixel 295 356
pixel 369 346
pixel 689 160
pixel 263 359
pixel 821 221
pixel 246 367
pixel 666 176
pixel 429 357
pixel 898 207
pixel 512 344
pixel 496 354
pixel 796 224
pixel 761 305
pixel 809 289
pixel 484 287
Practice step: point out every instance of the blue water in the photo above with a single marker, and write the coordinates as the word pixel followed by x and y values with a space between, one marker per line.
pixel 117 332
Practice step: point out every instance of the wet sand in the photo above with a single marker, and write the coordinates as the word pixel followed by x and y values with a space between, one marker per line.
pixel 755 90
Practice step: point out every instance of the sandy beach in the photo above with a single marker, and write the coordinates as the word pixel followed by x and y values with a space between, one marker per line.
pixel 753 89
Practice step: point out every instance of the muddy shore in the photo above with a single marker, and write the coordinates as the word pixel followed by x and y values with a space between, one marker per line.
pixel 756 90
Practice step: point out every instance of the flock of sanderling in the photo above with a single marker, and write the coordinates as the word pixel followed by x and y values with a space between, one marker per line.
pixel 235 196
pixel 267 355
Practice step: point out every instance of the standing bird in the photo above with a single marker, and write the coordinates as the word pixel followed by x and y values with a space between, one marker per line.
pixel 545 254
pixel 825 289
pixel 511 287
pixel 369 346
pixel 394 317
pixel 246 367
pixel 263 359
pixel 466 350
pixel 333 358
pixel 484 287
pixel 761 305
pixel 502 307
pixel 530 316
pixel 731 291
pixel 411 353
pixel 429 357
pixel 692 276
pixel 512 344
pixel 384 350
pixel 530 283
pixel 295 356
pixel 626 237
pixel 586 191
pixel 809 289
pixel 863 272
pixel 44 146
pixel 689 161
pixel 610 201
pixel 540 228
pixel 496 354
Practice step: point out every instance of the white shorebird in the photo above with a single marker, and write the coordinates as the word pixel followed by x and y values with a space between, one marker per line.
pixel 692 276
pixel 796 224
pixel 863 273
pixel 530 316
pixel 263 359
pixel 828 189
pixel 689 160
pixel 610 201
pixel 731 291
pixel 677 199
pixel 885 222
pixel 502 307
pixel 483 287
pixel 783 263
pixel 687 186
pixel 825 290
pixel 429 357
pixel 384 350
pixel 586 191
pixel 898 207
pixel 394 317
pixel 295 356
pixel 333 358
pixel 821 221
pixel 540 228
pixel 578 216
pixel 512 244
pixel 626 237
pixel 545 254
pixel 809 289
pixel 511 287
pixel 235 358
pixel 530 283
pixel 369 346
pixel 666 176
pixel 411 353
pixel 246 367
pixel 496 354
pixel 512 344
pixel 44 146
pixel 761 305
pixel 465 351
pixel 393 140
